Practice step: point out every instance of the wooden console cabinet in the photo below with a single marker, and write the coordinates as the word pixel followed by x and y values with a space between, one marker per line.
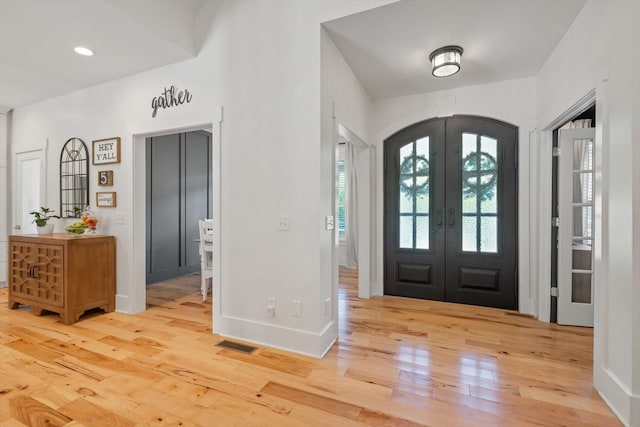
pixel 64 273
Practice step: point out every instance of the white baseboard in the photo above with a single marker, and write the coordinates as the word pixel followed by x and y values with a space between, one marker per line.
pixel 623 404
pixel 635 410
pixel 123 304
pixel 314 344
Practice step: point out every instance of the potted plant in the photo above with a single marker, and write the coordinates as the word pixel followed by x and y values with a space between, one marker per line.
pixel 41 219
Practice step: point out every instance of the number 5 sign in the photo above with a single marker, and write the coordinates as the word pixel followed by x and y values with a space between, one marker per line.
pixel 105 177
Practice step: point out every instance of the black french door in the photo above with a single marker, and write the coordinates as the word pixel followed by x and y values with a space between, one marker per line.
pixel 450 196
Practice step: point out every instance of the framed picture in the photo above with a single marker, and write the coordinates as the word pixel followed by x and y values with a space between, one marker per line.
pixel 106 199
pixel 105 178
pixel 106 151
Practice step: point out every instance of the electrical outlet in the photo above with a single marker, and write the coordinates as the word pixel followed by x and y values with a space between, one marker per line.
pixel 328 222
pixel 271 306
pixel 283 223
pixel 296 308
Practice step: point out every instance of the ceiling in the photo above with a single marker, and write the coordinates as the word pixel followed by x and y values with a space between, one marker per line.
pixel 37 38
pixel 386 47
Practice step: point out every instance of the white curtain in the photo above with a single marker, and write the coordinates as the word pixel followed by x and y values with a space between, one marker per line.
pixel 351 208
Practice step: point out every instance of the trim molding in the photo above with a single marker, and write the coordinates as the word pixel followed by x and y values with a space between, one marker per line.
pixel 122 304
pixel 617 396
pixel 314 344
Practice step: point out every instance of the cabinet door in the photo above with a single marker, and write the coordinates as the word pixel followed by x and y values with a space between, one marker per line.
pixel 36 272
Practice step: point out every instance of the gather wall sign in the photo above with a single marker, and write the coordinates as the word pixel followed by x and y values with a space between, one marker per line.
pixel 171 97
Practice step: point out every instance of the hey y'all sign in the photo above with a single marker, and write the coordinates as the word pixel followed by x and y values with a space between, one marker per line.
pixel 106 151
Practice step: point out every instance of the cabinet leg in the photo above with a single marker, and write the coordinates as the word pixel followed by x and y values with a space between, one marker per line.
pixel 37 311
pixel 13 304
pixel 67 318
pixel 108 308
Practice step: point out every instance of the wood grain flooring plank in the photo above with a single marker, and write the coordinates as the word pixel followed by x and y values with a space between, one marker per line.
pixel 325 404
pixel 272 360
pixel 31 412
pixel 88 413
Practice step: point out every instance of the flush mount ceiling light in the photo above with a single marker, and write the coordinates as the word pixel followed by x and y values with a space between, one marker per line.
pixel 83 51
pixel 445 61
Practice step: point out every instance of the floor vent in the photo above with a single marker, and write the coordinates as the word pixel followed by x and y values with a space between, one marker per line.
pixel 236 346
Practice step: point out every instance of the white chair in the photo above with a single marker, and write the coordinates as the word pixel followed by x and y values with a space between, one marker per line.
pixel 206 255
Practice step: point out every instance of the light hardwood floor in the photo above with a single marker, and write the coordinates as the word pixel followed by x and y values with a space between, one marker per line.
pixel 398 362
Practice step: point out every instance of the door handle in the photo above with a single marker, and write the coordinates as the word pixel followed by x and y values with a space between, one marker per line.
pixel 35 272
pixel 439 217
pixel 452 217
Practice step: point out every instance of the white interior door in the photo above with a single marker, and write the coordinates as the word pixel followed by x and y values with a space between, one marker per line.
pixel 29 190
pixel 575 229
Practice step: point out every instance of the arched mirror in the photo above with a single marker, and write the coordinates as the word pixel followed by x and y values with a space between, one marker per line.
pixel 74 181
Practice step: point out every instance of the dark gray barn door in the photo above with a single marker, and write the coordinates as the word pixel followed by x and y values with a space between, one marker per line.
pixel 450 212
pixel 178 195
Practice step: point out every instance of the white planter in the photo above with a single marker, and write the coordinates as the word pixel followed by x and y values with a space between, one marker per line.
pixel 45 229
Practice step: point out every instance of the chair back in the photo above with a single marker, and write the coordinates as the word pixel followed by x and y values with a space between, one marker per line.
pixel 206 232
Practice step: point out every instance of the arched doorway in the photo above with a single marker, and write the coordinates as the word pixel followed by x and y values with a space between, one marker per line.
pixel 450 211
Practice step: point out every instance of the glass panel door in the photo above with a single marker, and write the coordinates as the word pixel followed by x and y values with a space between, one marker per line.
pixel 450 198
pixel 575 230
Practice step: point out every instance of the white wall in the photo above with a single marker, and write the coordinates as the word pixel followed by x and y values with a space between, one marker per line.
pixel 600 51
pixel 272 163
pixel 512 101
pixel 4 190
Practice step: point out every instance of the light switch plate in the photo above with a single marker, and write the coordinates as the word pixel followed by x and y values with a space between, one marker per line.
pixel 283 223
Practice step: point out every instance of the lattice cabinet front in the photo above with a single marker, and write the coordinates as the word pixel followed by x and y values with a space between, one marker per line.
pixel 62 273
pixel 36 272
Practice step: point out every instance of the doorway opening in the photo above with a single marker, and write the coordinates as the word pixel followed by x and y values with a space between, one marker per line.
pixel 143 221
pixel 178 195
pixel 354 196
pixel 450 212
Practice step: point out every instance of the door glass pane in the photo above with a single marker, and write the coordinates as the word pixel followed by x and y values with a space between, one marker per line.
pixel 582 154
pixel 489 146
pixel 489 205
pixel 582 221
pixel 406 201
pixel 469 144
pixel 422 204
pixel 581 259
pixel 406 151
pixel 414 194
pixel 488 234
pixel 469 234
pixel 587 241
pixel 422 232
pixel 406 232
pixel 583 187
pixel 479 193
pixel 469 203
pixel 581 287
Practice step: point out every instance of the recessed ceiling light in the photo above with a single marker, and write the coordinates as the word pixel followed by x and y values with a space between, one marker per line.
pixel 83 51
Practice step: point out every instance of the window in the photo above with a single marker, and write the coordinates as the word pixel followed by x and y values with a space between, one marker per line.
pixel 340 191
